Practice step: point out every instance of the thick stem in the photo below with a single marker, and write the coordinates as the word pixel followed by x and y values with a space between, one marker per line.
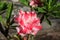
pixel 29 37
pixel 32 37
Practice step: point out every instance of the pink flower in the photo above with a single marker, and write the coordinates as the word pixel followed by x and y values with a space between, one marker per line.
pixel 28 22
pixel 35 3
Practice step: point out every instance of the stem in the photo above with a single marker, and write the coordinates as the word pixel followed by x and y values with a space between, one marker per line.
pixel 32 37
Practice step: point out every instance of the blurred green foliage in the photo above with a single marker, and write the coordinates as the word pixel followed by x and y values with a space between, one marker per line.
pixel 7 8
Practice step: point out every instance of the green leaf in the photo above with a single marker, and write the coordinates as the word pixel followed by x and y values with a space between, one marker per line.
pixel 56 14
pixel 48 21
pixel 3 21
pixel 58 4
pixel 56 7
pixel 54 2
pixel 49 4
pixel 0 18
pixel 41 10
pixel 12 21
pixel 25 2
pixel 3 6
pixel 9 12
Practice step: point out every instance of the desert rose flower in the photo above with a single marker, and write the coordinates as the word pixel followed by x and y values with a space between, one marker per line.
pixel 28 22
pixel 35 3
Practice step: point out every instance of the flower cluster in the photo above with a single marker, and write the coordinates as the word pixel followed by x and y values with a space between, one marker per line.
pixel 28 22
pixel 35 3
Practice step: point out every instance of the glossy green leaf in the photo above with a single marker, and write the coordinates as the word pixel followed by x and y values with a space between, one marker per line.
pixel 41 10
pixel 49 4
pixel 9 12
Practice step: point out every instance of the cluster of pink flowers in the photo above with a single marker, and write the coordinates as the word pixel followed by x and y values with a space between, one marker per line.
pixel 28 22
pixel 35 3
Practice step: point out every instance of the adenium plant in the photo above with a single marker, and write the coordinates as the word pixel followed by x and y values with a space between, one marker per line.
pixel 28 22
